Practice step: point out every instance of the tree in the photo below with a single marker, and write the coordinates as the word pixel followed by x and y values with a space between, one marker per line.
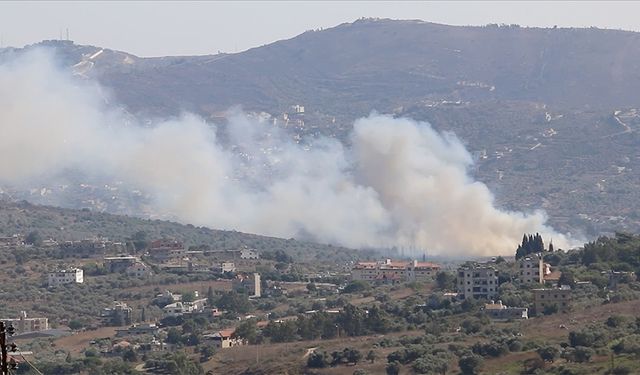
pixel 353 355
pixel 470 364
pixel 129 355
pixel 206 352
pixel 235 302
pixel 311 287
pixel 174 336
pixel 371 356
pixel 34 238
pixel 318 360
pixel 548 353
pixel 247 330
pixel 75 324
pixel 356 286
pixel 393 368
pixel 445 281
pixel 211 299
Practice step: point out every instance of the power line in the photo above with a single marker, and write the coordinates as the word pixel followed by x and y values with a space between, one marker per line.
pixel 30 364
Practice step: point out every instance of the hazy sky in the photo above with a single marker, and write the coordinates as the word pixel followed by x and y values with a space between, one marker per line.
pixel 149 28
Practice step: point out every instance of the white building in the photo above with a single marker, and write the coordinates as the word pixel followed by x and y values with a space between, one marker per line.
pixel 225 267
pixel 477 281
pixel 531 269
pixel 180 308
pixel 249 254
pixel 69 276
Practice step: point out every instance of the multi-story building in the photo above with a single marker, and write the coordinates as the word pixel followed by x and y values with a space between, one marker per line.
pixel 531 269
pixel 477 281
pixel 23 324
pixel 166 249
pixel 68 276
pixel 394 271
pixel 558 299
pixel 249 254
pixel 119 314
pixel 119 263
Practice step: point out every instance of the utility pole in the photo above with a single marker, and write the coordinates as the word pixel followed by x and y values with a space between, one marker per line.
pixel 5 363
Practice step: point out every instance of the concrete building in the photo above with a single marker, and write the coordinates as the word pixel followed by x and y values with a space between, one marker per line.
pixel 177 309
pixel 557 299
pixel 531 269
pixel 498 311
pixel 224 339
pixel 118 314
pixel 68 276
pixel 119 263
pixel 477 281
pixel 394 271
pixel 250 284
pixel 249 254
pixel 166 249
pixel 24 324
pixel 225 267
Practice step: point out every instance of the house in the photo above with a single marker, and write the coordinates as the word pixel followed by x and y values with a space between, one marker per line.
pixel 550 299
pixel 166 298
pixel 477 281
pixel 224 339
pixel 90 247
pixel 23 324
pixel 177 309
pixel 532 269
pixel 498 311
pixel 119 263
pixel 250 284
pixel 118 314
pixel 394 271
pixel 249 254
pixel 166 249
pixel 225 267
pixel 68 276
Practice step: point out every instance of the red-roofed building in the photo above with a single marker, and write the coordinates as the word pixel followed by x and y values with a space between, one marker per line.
pixel 394 271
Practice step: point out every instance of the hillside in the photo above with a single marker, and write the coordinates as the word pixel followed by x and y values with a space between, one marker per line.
pixel 72 225
pixel 549 113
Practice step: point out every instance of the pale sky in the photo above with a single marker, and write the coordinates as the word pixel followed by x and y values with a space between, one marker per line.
pixel 149 28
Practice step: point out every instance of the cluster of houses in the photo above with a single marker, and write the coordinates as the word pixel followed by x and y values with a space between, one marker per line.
pixel 476 281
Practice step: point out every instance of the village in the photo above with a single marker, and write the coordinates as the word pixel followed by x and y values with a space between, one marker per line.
pixel 226 300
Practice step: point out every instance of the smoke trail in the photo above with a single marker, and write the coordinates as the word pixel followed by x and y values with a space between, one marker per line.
pixel 401 183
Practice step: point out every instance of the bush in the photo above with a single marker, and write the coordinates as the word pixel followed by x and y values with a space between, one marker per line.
pixel 470 364
pixel 318 360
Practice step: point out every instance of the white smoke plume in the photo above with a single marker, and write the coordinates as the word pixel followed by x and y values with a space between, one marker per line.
pixel 400 184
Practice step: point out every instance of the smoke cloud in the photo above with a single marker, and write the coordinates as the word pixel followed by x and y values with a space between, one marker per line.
pixel 401 183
